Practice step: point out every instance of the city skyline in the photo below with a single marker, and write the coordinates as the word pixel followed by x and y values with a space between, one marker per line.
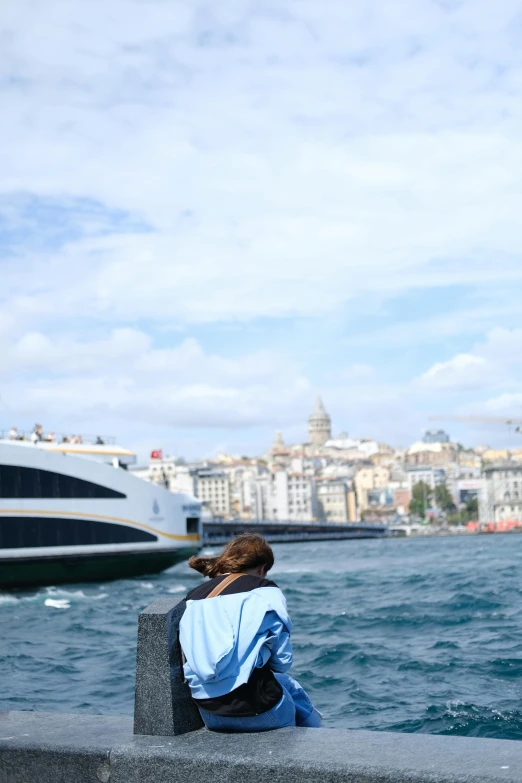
pixel 209 215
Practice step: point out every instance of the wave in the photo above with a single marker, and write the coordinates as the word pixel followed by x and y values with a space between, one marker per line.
pixel 8 599
pixel 57 603
pixel 76 594
pixel 461 601
pixel 467 720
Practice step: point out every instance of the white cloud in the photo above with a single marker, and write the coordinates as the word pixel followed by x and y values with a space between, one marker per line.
pixel 494 363
pixel 509 404
pixel 239 116
pixel 131 350
pixel 124 377
pixel 328 235
pixel 466 319
pixel 503 345
pixel 65 356
pixel 464 371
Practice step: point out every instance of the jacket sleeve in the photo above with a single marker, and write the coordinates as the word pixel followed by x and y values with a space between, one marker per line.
pixel 280 646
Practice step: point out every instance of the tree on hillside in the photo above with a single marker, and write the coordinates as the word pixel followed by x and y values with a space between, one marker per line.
pixel 472 509
pixel 421 496
pixel 467 513
pixel 444 499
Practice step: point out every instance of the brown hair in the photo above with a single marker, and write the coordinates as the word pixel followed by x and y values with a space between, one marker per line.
pixel 245 551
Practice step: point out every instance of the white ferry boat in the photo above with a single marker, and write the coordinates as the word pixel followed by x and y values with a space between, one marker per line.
pixel 70 512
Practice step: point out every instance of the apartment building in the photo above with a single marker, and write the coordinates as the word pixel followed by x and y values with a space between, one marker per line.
pixel 160 470
pixel 293 496
pixel 430 475
pixel 261 497
pixel 501 497
pixel 332 500
pixel 212 487
pixel 369 478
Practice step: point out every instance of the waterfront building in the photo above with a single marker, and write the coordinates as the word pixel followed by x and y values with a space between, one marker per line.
pixel 319 425
pixel 261 498
pixel 243 476
pixel 386 456
pixel 242 491
pixel 211 486
pixel 467 489
pixel 463 482
pixel 279 452
pixel 368 478
pixel 502 455
pixel 332 500
pixel 350 456
pixel 467 458
pixel 430 475
pixel 293 496
pixel 421 453
pixel 341 443
pixel 368 447
pixel 501 498
pixel 160 470
pixel 213 489
pixel 353 514
pixel 495 455
pixel 436 436
pixel 382 499
pixel 279 495
pixel 401 499
pixel 184 479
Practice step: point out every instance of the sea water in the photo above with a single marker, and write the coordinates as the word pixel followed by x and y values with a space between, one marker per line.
pixel 416 635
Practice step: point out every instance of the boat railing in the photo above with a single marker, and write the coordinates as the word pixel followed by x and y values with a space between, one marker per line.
pixel 58 437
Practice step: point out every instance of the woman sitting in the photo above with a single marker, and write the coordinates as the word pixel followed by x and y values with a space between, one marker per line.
pixel 235 635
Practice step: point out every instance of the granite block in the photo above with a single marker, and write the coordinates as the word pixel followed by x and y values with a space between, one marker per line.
pixel 162 704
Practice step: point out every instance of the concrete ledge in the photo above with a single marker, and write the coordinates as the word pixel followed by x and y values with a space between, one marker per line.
pixel 45 747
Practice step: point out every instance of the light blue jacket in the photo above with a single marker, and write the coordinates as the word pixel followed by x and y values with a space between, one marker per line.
pixel 224 638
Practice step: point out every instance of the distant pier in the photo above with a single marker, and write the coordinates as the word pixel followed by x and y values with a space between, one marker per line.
pixel 220 532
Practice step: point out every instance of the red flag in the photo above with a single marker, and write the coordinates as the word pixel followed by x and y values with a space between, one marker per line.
pixel 156 454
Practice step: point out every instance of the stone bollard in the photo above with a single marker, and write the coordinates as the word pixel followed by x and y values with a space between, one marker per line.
pixel 162 703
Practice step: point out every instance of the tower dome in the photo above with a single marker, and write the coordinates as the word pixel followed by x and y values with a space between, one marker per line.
pixel 278 444
pixel 319 425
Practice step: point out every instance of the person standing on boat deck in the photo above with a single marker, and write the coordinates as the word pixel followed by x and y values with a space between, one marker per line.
pixel 37 433
pixel 235 636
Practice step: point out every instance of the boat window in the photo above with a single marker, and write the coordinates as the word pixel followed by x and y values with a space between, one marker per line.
pixel 192 525
pixel 20 532
pixel 21 482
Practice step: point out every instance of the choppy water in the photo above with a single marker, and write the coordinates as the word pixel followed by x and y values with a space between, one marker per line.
pixel 420 635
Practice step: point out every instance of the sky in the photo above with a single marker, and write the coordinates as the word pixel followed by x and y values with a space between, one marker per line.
pixel 212 212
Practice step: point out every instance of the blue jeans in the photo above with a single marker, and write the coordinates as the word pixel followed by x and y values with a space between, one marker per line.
pixel 294 709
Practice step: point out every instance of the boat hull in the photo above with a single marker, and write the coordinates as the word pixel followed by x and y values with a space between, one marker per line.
pixel 62 569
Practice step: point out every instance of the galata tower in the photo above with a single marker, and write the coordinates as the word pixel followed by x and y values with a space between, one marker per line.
pixel 319 425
